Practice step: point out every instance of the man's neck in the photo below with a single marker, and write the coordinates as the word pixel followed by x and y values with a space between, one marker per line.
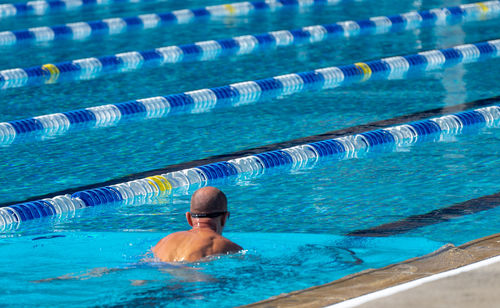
pixel 205 227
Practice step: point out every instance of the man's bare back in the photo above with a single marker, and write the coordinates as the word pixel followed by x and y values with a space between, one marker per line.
pixel 207 217
pixel 193 245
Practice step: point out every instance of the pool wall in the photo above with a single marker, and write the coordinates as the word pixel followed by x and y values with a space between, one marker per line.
pixel 445 259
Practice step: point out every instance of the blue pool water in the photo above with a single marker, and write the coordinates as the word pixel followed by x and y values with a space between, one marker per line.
pixel 292 240
pixel 292 225
pixel 226 281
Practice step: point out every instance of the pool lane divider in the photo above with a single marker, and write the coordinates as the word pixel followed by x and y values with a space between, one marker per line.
pixel 248 92
pixel 276 146
pixel 292 158
pixel 433 217
pixel 116 25
pixel 43 7
pixel 93 67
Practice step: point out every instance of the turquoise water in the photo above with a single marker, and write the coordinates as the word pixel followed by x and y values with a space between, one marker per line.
pixel 181 138
pixel 291 240
pixel 280 261
pixel 292 225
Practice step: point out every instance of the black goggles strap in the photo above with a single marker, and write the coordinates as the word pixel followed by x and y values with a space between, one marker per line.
pixel 209 215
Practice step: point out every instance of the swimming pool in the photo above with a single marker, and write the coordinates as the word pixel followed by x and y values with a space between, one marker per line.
pixel 293 224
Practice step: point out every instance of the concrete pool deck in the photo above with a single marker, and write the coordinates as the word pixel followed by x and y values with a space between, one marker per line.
pixel 475 288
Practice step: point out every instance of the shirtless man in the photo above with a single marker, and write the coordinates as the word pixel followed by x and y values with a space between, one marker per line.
pixel 207 217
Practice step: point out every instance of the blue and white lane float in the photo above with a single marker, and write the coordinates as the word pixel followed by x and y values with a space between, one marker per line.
pixel 90 68
pixel 204 100
pixel 298 157
pixel 111 26
pixel 42 7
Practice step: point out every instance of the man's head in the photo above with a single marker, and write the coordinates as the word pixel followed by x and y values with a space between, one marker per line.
pixel 208 208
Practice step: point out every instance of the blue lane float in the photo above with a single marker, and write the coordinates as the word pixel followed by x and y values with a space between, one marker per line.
pixel 93 67
pixel 111 26
pixel 298 157
pixel 204 100
pixel 42 7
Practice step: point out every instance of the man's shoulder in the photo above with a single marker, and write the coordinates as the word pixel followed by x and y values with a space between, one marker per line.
pixel 194 238
pixel 179 233
pixel 215 240
pixel 175 236
pixel 229 245
pixel 200 239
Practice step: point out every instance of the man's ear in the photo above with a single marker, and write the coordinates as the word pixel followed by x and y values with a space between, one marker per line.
pixel 189 219
pixel 224 218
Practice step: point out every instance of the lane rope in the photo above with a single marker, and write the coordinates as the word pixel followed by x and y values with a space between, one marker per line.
pixel 111 26
pixel 242 93
pixel 303 156
pixel 42 7
pixel 94 67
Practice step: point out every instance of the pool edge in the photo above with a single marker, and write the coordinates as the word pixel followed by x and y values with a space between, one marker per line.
pixel 446 258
